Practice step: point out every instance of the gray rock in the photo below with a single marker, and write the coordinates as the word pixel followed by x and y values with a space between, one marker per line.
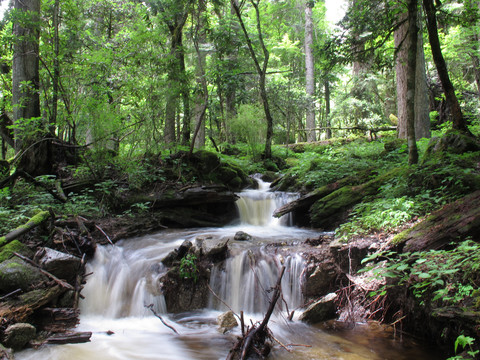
pixel 17 274
pixel 18 335
pixel 226 321
pixel 63 266
pixel 216 251
pixel 242 236
pixel 322 310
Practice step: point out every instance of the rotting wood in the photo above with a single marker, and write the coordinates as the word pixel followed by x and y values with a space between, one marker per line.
pixel 59 319
pixel 69 338
pixel 36 220
pixel 79 281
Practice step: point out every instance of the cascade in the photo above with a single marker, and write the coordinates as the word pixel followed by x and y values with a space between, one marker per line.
pixel 125 279
pixel 256 207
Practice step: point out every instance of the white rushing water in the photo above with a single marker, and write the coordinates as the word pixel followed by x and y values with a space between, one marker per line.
pixel 125 278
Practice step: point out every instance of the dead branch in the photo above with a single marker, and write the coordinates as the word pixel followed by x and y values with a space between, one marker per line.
pixel 161 319
pixel 46 273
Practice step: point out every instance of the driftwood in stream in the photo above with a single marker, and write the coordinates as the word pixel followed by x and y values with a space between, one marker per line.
pixel 254 338
pixel 59 319
pixel 69 338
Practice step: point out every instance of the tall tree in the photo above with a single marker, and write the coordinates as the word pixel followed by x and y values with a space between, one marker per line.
pixel 309 72
pixel 412 36
pixel 261 70
pixel 458 120
pixel 402 45
pixel 29 129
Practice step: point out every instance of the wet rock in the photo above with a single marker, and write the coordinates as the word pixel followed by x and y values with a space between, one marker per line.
pixel 321 277
pixel 349 256
pixel 17 274
pixel 226 321
pixel 177 254
pixel 321 310
pixel 215 251
pixel 18 335
pixel 242 236
pixel 63 266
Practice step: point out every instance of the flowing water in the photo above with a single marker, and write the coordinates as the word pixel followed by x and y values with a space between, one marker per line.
pixel 125 279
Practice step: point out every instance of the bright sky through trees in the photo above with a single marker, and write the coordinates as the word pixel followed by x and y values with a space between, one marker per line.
pixel 335 10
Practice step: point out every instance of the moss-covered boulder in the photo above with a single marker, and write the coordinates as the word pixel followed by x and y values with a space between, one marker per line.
pixel 17 274
pixel 455 142
pixel 18 335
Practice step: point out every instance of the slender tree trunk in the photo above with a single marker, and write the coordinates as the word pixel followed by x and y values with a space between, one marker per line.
pixel 412 37
pixel 260 70
pixel 458 120
pixel 422 120
pixel 327 109
pixel 56 63
pixel 309 72
pixel 201 98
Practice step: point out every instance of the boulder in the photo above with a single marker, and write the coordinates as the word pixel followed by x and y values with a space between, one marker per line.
pixel 226 321
pixel 63 266
pixel 18 335
pixel 17 274
pixel 242 236
pixel 215 251
pixel 320 277
pixel 321 310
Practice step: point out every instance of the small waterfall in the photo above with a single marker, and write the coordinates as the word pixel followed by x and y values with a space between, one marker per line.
pixel 256 207
pixel 245 282
pixel 122 284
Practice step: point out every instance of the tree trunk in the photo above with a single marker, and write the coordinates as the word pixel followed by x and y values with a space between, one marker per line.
pixel 25 74
pixel 327 109
pixel 56 64
pixel 260 70
pixel 309 72
pixel 458 120
pixel 412 37
pixel 422 119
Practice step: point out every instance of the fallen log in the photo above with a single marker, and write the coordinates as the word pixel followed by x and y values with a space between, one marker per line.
pixel 36 220
pixel 59 319
pixel 69 338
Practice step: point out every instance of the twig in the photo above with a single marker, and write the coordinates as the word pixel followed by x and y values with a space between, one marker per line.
pixel 53 277
pixel 161 319
pixel 10 294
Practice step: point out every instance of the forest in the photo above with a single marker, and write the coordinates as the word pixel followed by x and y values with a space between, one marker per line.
pixel 240 133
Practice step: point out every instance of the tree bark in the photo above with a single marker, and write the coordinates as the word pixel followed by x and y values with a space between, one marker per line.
pixel 327 109
pixel 458 120
pixel 412 36
pixel 422 120
pixel 309 72
pixel 261 70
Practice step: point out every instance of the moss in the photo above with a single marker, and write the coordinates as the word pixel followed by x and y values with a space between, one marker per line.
pixel 6 252
pixel 2 240
pixel 402 237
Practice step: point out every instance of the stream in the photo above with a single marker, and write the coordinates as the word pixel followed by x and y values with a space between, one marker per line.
pixel 125 276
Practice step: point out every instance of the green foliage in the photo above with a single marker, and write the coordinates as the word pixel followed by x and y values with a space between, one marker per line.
pixel 466 342
pixel 440 277
pixel 188 267
pixel 250 126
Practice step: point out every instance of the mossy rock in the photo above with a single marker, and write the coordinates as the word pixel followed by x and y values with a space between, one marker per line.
pixel 454 142
pixel 17 274
pixel 206 160
pixel 6 252
pixel 394 145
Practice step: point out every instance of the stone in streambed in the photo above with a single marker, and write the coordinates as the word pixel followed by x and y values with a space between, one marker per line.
pixel 321 310
pixel 226 321
pixel 18 335
pixel 242 236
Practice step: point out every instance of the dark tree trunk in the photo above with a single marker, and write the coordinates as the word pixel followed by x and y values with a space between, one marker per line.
pixel 327 108
pixel 412 37
pixel 458 120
